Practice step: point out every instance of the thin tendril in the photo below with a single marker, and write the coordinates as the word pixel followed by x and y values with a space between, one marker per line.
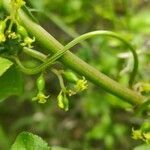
pixel 51 60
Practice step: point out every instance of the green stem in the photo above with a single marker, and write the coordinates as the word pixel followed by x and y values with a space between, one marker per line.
pixel 47 62
pixel 10 25
pixel 60 78
pixel 34 53
pixel 73 62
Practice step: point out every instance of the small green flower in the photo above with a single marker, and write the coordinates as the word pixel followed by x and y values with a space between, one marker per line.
pixel 40 82
pixel 28 42
pixel 12 35
pixel 137 134
pixel 63 101
pixel 142 87
pixel 18 3
pixel 81 85
pixel 147 137
pixel 41 98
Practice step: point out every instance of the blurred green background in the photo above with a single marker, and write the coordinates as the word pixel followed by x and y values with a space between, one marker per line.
pixel 96 120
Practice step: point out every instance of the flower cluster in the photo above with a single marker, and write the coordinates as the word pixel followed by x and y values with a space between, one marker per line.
pixel 79 85
pixel 12 40
pixel 22 34
pixel 11 31
pixel 17 3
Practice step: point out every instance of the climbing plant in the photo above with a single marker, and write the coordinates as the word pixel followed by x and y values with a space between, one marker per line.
pixel 19 31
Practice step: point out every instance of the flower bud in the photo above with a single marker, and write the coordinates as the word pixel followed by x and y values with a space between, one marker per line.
pixel 147 137
pixel 63 102
pixel 22 31
pixel 70 76
pixel 40 82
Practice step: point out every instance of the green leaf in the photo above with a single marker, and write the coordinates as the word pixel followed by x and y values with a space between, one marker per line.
pixel 29 141
pixel 11 83
pixel 4 142
pixel 140 22
pixel 4 65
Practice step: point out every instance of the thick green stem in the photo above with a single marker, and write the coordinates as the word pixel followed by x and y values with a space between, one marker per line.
pixel 73 62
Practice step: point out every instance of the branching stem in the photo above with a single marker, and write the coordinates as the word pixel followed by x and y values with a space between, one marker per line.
pixel 49 43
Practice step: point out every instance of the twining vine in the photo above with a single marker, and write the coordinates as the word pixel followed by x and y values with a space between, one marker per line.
pixel 15 38
pixel 13 31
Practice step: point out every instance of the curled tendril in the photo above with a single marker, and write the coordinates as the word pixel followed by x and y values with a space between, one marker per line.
pixel 77 40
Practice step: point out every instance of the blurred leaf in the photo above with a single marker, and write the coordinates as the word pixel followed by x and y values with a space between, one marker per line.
pixel 4 142
pixel 28 12
pixel 58 148
pixel 11 83
pixel 142 147
pixel 109 141
pixel 105 9
pixel 29 141
pixel 141 22
pixel 101 129
pixel 4 65
pixel 38 4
